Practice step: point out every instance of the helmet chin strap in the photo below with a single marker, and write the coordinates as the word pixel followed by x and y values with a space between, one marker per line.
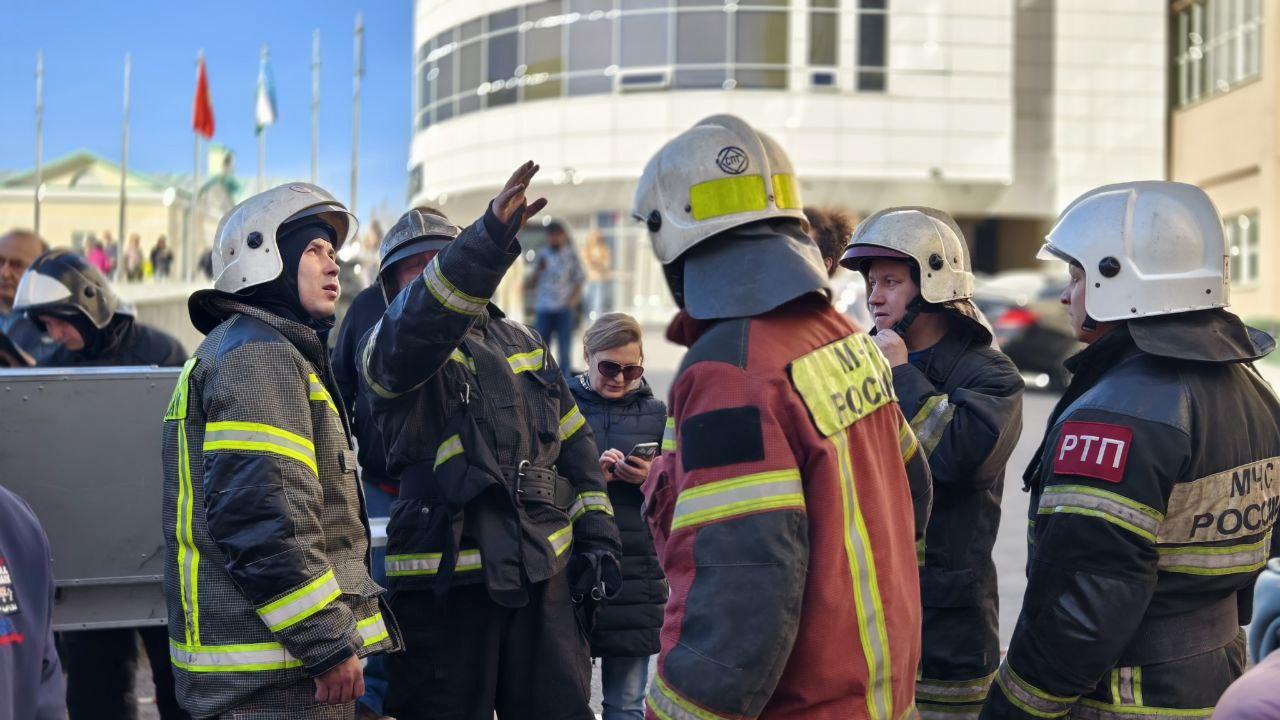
pixel 1089 324
pixel 914 308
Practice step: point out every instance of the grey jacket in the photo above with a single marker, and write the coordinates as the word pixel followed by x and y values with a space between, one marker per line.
pixel 267 562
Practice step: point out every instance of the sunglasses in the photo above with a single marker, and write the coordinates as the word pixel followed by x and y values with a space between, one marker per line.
pixel 610 369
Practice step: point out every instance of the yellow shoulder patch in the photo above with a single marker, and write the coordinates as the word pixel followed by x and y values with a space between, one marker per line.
pixel 177 409
pixel 843 382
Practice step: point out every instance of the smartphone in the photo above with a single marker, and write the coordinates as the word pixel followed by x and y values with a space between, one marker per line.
pixel 644 451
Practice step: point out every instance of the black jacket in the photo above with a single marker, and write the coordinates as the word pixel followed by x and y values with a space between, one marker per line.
pixel 365 311
pixel 628 626
pixel 499 476
pixel 964 401
pixel 1153 496
pixel 127 342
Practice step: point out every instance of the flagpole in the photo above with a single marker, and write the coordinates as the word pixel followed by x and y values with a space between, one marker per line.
pixel 124 170
pixel 262 139
pixel 192 237
pixel 39 135
pixel 315 107
pixel 355 109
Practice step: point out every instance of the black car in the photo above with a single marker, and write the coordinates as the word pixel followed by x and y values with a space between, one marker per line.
pixel 1033 329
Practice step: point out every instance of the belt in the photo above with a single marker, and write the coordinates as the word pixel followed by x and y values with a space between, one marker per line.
pixel 530 483
pixel 1175 637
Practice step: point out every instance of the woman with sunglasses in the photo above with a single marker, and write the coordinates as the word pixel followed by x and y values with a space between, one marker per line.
pixel 623 413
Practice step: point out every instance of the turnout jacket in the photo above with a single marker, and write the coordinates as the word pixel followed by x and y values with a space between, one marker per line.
pixel 267 544
pixel 783 518
pixel 1153 498
pixel 499 474
pixel 964 401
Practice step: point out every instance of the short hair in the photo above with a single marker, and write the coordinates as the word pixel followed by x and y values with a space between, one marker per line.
pixel 555 226
pixel 831 228
pixel 612 330
pixel 29 235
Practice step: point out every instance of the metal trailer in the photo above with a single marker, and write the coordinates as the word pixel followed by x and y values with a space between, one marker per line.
pixel 82 447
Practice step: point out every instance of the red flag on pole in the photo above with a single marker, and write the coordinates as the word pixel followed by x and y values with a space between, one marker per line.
pixel 202 110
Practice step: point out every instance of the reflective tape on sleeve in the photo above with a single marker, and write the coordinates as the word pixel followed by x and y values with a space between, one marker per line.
pixel 931 421
pixel 669 436
pixel 571 423
pixel 448 450
pixel 1029 698
pixel 726 499
pixel 561 539
pixel 450 297
pixel 429 563
pixel 727 196
pixel 258 657
pixel 1087 709
pixel 591 501
pixel 953 691
pixel 317 392
pixel 462 359
pixel 907 442
pixel 1102 504
pixel 301 603
pixel 526 362
pixel 261 438
pixel 669 705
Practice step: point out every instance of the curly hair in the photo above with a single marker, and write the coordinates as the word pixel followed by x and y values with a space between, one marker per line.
pixel 831 229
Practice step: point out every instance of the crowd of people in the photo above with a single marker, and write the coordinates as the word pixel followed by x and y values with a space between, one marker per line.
pixel 133 264
pixel 803 530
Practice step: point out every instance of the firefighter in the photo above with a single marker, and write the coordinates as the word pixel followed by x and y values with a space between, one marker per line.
pixel 964 401
pixel 270 601
pixel 1154 492
pixel 405 251
pixel 502 534
pixel 62 295
pixel 781 512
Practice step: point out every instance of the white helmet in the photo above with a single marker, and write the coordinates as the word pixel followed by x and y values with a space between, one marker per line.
pixel 246 254
pixel 720 174
pixel 1147 248
pixel 929 237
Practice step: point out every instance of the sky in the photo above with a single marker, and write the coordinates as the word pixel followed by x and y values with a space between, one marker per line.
pixel 84 44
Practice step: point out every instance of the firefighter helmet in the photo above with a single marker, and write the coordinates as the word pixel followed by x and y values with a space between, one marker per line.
pixel 417 231
pixel 61 282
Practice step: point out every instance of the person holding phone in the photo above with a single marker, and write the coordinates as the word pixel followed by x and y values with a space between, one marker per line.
pixel 627 421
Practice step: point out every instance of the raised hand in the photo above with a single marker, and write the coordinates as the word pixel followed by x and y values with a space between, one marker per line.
pixel 511 202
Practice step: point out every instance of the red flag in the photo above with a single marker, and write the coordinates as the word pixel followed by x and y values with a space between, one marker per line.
pixel 202 109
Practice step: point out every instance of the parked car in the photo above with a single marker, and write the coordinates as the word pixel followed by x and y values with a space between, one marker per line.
pixel 1030 325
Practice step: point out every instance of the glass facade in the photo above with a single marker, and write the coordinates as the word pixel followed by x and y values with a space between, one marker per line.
pixel 558 48
pixel 1217 45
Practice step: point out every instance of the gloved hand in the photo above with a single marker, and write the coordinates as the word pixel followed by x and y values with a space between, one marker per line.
pixel 595 577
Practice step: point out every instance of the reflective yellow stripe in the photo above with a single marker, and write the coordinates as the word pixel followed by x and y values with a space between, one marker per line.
pixel 561 539
pixel 590 501
pixel 301 603
pixel 1087 709
pixel 255 657
pixel 257 437
pixel 571 423
pixel 727 196
pixel 726 499
pixel 459 357
pixel 449 449
pixel 920 552
pixel 1200 560
pixel 954 691
pixel 365 353
pixel 907 442
pixel 188 554
pixel 931 421
pixel 526 362
pixel 669 436
pixel 429 563
pixel 872 632
pixel 1089 501
pixel 1029 698
pixel 668 705
pixel 450 297
pixel 938 711
pixel 318 392
pixel 786 194
pixel 1137 685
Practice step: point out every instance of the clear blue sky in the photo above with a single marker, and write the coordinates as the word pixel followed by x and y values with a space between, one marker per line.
pixel 84 43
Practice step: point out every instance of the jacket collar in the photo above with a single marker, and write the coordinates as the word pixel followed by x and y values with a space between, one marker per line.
pixel 941 359
pixel 1214 336
pixel 582 389
pixel 222 306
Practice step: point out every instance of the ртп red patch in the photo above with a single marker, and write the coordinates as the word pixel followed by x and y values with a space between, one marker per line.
pixel 1095 450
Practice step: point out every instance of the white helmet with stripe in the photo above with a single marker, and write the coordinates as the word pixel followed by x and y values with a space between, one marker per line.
pixel 720 174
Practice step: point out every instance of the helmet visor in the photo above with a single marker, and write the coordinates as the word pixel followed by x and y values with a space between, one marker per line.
pixel 1049 252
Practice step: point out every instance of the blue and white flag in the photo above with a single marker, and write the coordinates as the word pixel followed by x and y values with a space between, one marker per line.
pixel 265 108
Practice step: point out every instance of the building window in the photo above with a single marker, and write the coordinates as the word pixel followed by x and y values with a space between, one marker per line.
pixel 1243 241
pixel 415 182
pixel 558 48
pixel 1217 46
pixel 873 30
pixel 824 40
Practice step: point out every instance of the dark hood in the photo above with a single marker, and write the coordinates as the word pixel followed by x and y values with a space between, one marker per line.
pixel 210 308
pixel 1214 336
